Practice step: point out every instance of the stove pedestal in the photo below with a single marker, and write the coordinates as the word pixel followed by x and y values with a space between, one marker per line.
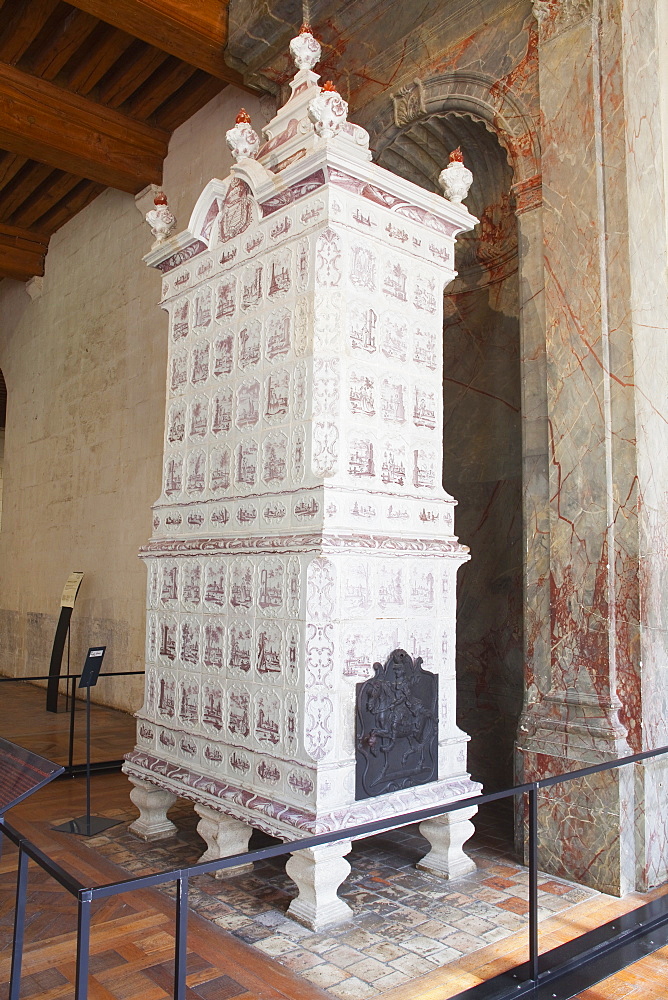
pixel 153 803
pixel 447 835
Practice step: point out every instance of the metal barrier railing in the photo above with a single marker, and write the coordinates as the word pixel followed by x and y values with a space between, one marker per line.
pixel 73 770
pixel 520 981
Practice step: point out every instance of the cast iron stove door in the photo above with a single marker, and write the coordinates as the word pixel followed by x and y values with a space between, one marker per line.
pixel 396 736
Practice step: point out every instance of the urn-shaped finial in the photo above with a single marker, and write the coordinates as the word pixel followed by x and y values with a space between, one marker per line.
pixel 328 111
pixel 456 179
pixel 305 49
pixel 242 140
pixel 160 218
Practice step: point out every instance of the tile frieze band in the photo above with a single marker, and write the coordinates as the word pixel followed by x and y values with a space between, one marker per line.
pixel 317 541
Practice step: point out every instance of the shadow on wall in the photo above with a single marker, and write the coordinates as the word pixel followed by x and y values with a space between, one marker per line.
pixel 482 435
pixel 482 459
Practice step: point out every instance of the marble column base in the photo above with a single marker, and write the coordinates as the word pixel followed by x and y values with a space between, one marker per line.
pixel 223 837
pixel 153 803
pixel 447 835
pixel 318 872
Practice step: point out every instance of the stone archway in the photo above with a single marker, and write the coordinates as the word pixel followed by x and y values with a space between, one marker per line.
pixel 495 451
pixel 478 97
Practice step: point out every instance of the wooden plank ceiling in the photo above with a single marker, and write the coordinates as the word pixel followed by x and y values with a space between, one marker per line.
pixel 90 92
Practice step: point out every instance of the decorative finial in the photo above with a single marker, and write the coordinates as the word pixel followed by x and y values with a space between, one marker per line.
pixel 456 179
pixel 305 49
pixel 242 140
pixel 328 111
pixel 160 218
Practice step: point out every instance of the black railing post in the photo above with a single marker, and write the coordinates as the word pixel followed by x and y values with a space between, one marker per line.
pixel 83 944
pixel 19 925
pixel 181 940
pixel 533 880
pixel 72 711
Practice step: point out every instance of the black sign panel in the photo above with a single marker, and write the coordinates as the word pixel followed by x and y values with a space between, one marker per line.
pixel 396 738
pixel 92 667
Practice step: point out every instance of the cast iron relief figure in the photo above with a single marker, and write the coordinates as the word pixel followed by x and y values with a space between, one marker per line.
pixel 396 727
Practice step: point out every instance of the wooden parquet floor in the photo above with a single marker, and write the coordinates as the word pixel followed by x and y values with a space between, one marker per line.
pixel 132 940
pixel 26 722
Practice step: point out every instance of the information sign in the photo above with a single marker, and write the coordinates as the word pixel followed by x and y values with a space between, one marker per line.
pixel 92 666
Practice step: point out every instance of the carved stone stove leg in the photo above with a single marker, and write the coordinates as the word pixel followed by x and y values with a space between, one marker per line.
pixel 447 835
pixel 223 836
pixel 318 872
pixel 153 804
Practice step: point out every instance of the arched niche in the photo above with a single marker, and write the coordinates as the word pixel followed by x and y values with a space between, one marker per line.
pixel 483 435
pixel 473 95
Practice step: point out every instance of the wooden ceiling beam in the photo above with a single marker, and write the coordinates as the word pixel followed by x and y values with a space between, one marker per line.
pixel 22 188
pixel 167 81
pixel 47 123
pixel 47 194
pixel 192 30
pixel 188 99
pixel 21 253
pixel 53 48
pixel 21 21
pixel 67 208
pixel 9 167
pixel 104 48
pixel 131 74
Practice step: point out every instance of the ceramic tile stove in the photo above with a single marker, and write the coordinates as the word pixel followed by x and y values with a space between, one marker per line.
pixel 302 532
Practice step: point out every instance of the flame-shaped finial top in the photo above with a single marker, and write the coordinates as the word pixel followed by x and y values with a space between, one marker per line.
pixel 242 140
pixel 305 49
pixel 456 179
pixel 329 87
pixel 160 218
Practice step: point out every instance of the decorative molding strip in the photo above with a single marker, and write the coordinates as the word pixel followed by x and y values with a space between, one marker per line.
pixel 528 194
pixel 181 256
pixel 391 201
pixel 312 542
pixel 293 193
pixel 277 818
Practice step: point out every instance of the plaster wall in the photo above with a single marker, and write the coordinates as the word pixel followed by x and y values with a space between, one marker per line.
pixel 85 366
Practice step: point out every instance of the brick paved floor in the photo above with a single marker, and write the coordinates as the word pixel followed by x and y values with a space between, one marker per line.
pixel 407 923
